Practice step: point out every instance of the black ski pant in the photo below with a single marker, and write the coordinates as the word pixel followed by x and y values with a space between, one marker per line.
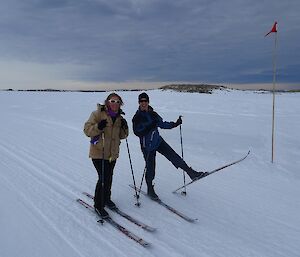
pixel 105 191
pixel 167 151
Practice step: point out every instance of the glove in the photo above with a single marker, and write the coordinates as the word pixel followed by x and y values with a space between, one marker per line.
pixel 95 140
pixel 102 124
pixel 178 122
pixel 124 124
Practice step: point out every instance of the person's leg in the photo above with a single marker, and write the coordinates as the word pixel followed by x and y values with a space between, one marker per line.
pixel 150 165
pixel 166 150
pixel 99 191
pixel 177 161
pixel 150 172
pixel 109 169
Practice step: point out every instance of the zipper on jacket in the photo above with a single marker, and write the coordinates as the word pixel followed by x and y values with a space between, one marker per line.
pixel 111 132
pixel 113 124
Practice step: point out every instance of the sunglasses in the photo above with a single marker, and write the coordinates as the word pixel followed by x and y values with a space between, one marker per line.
pixel 114 101
pixel 143 101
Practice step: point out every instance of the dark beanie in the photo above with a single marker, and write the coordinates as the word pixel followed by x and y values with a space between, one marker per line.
pixel 143 96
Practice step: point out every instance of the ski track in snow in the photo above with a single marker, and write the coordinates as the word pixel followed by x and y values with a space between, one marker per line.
pixel 251 209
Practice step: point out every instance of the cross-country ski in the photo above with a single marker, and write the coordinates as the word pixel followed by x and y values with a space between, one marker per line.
pixel 168 207
pixel 116 225
pixel 126 216
pixel 213 171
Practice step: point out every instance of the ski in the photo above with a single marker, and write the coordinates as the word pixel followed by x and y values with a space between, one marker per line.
pixel 116 225
pixel 171 209
pixel 213 171
pixel 126 216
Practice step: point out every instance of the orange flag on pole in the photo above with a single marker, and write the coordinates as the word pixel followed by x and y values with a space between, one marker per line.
pixel 274 29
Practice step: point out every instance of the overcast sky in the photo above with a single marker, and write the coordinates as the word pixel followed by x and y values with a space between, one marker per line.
pixel 49 43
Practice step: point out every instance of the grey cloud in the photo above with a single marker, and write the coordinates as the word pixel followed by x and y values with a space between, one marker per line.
pixel 153 40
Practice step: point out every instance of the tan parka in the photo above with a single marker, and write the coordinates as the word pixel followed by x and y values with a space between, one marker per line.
pixel 111 135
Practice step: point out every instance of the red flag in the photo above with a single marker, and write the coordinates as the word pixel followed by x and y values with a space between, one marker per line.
pixel 274 29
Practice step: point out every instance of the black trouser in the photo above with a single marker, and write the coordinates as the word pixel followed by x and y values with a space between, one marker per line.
pixel 166 151
pixel 107 179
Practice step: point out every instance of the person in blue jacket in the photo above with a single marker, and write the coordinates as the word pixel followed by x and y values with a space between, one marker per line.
pixel 145 125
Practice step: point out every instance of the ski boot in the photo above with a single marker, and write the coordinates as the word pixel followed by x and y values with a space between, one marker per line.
pixel 151 193
pixel 194 175
pixel 110 204
pixel 102 212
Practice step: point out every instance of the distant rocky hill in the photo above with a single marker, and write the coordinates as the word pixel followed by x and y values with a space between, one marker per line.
pixel 192 88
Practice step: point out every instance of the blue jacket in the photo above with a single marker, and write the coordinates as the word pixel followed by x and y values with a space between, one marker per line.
pixel 145 126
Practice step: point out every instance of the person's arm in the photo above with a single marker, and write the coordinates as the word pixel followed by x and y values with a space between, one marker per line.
pixel 124 129
pixel 167 124
pixel 92 127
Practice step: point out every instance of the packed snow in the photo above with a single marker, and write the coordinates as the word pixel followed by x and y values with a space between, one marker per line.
pixel 249 209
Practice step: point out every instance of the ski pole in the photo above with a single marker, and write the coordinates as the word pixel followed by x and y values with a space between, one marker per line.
pixel 132 173
pixel 102 176
pixel 145 169
pixel 184 189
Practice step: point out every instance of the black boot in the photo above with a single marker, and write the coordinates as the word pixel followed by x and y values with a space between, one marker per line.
pixel 194 175
pixel 110 204
pixel 151 193
pixel 102 212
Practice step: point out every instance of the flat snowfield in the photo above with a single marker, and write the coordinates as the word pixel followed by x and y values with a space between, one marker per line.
pixel 251 209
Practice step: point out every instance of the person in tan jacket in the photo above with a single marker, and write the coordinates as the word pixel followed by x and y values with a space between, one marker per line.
pixel 106 127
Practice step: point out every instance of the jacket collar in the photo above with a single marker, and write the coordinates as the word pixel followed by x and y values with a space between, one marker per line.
pixel 150 109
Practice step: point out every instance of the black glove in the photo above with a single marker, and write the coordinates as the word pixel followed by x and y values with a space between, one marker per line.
pixel 124 124
pixel 178 122
pixel 102 124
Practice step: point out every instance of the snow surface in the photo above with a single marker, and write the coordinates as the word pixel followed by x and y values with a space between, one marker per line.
pixel 250 209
